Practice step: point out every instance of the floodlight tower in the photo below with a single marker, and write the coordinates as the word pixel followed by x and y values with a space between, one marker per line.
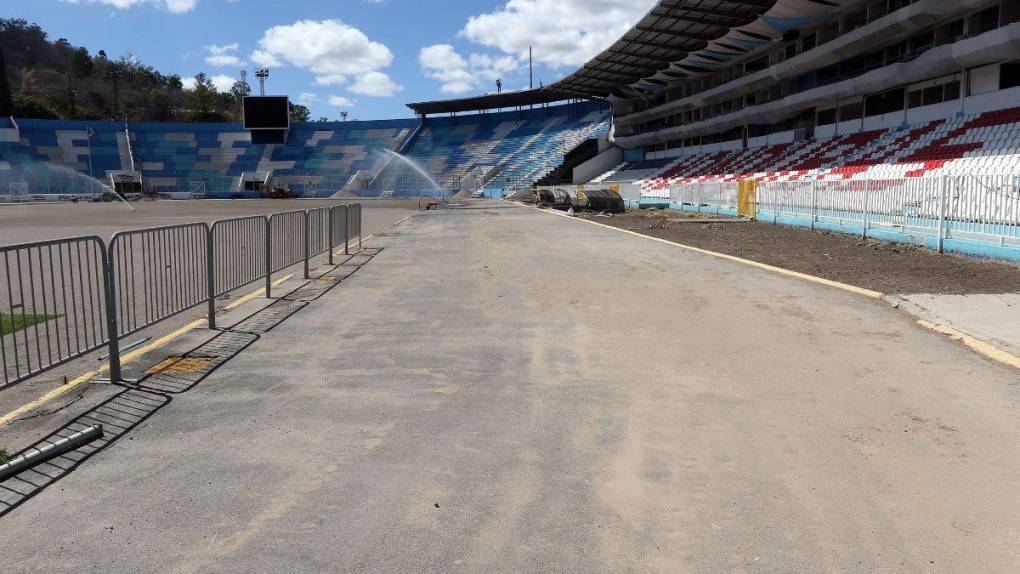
pixel 262 74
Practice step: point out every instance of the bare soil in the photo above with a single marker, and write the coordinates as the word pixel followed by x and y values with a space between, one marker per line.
pixel 876 265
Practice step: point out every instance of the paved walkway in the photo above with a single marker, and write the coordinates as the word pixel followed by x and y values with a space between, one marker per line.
pixel 500 390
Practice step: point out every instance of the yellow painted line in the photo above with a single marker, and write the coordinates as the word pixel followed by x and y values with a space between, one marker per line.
pixel 804 276
pixel 125 359
pixel 399 221
pixel 981 347
pixel 255 293
pixel 71 385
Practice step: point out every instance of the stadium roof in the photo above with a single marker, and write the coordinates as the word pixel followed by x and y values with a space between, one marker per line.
pixel 493 101
pixel 678 39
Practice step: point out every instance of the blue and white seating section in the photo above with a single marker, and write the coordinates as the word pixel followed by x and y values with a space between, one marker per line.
pixel 318 159
pixel 516 148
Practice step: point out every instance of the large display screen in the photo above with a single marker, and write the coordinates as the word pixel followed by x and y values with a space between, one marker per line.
pixel 266 113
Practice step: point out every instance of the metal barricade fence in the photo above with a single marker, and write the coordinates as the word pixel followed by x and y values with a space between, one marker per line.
pixel 286 240
pixel 986 208
pixel 238 252
pixel 354 222
pixel 54 300
pixel 157 273
pixel 338 229
pixel 64 298
pixel 318 231
pixel 237 256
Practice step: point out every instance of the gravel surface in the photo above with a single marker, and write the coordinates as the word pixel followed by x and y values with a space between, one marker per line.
pixel 877 265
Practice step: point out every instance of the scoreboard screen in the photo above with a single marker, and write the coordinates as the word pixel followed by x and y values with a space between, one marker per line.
pixel 266 113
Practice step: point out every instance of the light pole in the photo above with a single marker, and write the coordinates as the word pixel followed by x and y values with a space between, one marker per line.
pixel 92 180
pixel 262 74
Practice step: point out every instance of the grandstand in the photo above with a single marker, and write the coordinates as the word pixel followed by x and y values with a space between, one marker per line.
pixel 317 160
pixel 797 90
pixel 914 102
pixel 512 149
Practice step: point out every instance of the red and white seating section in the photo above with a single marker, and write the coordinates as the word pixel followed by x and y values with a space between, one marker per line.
pixel 985 144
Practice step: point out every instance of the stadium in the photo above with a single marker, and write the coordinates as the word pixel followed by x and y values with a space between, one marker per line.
pixel 739 293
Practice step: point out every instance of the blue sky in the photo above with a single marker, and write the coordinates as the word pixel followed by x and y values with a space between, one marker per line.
pixel 368 57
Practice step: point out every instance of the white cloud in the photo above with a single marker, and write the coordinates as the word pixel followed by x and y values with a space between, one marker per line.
pixel 375 84
pixel 223 55
pixel 341 102
pixel 222 82
pixel 265 59
pixel 180 6
pixel 307 98
pixel 563 32
pixel 172 6
pixel 331 80
pixel 329 49
pixel 458 75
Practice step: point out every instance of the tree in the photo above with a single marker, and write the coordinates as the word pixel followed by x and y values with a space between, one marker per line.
pixel 299 113
pixel 81 63
pixel 32 107
pixel 202 100
pixel 240 90
pixel 6 105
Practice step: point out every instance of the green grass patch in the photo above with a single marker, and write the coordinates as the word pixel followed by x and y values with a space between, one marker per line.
pixel 5 456
pixel 13 323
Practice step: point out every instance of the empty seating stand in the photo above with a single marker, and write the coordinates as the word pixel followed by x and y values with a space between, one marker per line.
pixel 520 147
pixel 318 158
pixel 982 144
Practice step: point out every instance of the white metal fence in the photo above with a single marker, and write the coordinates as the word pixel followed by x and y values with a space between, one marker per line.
pixel 985 208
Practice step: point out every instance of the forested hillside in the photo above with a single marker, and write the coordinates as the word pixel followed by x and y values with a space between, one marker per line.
pixel 56 80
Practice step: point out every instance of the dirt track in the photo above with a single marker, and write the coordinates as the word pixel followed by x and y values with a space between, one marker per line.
pixel 876 265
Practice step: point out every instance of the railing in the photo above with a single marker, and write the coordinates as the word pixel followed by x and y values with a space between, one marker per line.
pixel 157 273
pixel 62 299
pixel 983 208
pixel 54 296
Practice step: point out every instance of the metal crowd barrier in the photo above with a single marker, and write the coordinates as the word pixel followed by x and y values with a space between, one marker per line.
pixel 54 295
pixel 62 299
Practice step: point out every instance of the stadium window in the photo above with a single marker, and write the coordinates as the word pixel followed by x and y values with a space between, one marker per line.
pixel 932 95
pixel 855 21
pixel 1011 12
pixel 808 42
pixel 922 42
pixel 874 60
pixel 756 65
pixel 827 117
pixel 884 103
pixel 828 75
pixel 850 112
pixel 807 82
pixel 915 99
pixel 895 52
pixel 1009 76
pixel 949 33
pixel 952 91
pixel 828 33
pixel 984 21
pixel 877 9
